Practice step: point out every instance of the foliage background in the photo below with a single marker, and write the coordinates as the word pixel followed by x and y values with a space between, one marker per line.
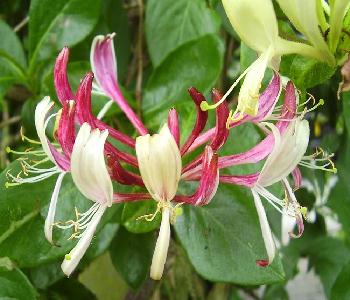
pixel 163 47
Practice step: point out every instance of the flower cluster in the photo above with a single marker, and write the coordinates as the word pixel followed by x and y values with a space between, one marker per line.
pixel 84 148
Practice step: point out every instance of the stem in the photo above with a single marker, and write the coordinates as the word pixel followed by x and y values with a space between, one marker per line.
pixel 10 121
pixel 21 24
pixel 139 77
pixel 5 135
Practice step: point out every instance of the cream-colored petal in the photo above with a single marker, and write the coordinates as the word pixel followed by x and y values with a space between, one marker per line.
pixel 41 111
pixel 162 245
pixel 254 21
pixel 159 162
pixel 265 227
pixel 286 154
pixel 88 167
pixel 50 218
pixel 72 259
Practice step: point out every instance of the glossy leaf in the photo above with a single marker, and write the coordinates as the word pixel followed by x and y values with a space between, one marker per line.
pixel 167 86
pixel 223 240
pixel 13 283
pixel 305 72
pixel 131 255
pixel 170 24
pixel 55 24
pixel 340 290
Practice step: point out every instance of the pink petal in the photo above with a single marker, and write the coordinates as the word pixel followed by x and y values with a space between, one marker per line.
pixel 245 180
pixel 173 124
pixel 221 131
pixel 201 120
pixel 84 112
pixel 105 68
pixel 66 128
pixel 120 197
pixel 63 89
pixel 208 183
pixel 267 102
pixel 121 175
pixel 297 177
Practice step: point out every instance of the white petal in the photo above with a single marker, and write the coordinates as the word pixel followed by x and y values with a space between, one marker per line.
pixel 75 255
pixel 88 167
pixel 286 154
pixel 50 218
pixel 160 165
pixel 41 110
pixel 248 98
pixel 265 227
pixel 254 21
pixel 162 245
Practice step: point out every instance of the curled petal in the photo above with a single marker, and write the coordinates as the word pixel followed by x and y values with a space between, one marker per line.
pixel 209 181
pixel 265 230
pixel 66 128
pixel 75 255
pixel 221 130
pixel 267 102
pixel 89 171
pixel 201 120
pixel 297 178
pixel 41 111
pixel 121 175
pixel 300 225
pixel 50 218
pixel 85 115
pixel 63 89
pixel 104 66
pixel 287 152
pixel 173 124
pixel 289 108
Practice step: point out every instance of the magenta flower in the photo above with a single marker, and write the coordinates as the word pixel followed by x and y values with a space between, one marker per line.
pixel 283 148
pixel 95 163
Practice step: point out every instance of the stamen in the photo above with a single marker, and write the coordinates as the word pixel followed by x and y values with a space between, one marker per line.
pixel 174 211
pixel 81 223
pixel 310 161
pixel 25 138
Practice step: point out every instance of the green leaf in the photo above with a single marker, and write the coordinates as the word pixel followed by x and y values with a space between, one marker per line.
pixel 170 24
pixel 131 255
pixel 133 211
pixel 305 72
pixel 223 240
pixel 337 202
pixel 15 285
pixel 22 212
pixel 340 290
pixel 11 45
pixel 328 255
pixel 55 24
pixel 197 63
pixel 12 59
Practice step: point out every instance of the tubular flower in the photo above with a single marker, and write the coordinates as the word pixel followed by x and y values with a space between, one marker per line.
pixel 94 162
pixel 284 149
pixel 256 24
pixel 160 166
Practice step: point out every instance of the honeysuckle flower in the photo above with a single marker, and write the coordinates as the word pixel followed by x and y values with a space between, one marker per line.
pixel 256 24
pixel 338 11
pixel 59 157
pixel 90 175
pixel 283 148
pixel 104 66
pixel 160 166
